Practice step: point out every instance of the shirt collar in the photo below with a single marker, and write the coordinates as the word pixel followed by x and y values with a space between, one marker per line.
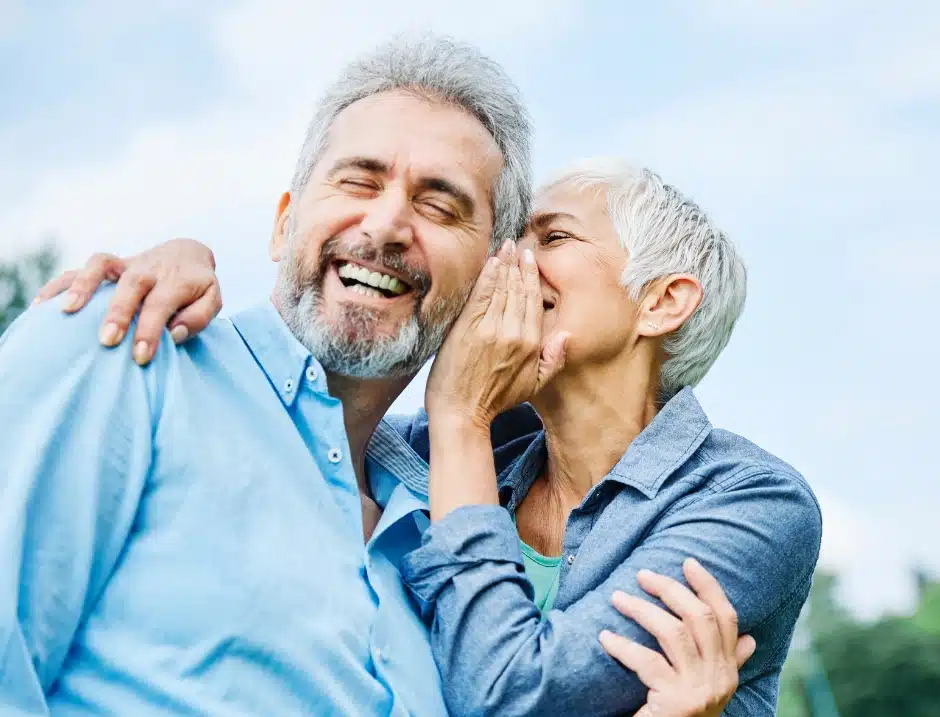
pixel 662 447
pixel 284 359
pixel 281 356
pixel 392 452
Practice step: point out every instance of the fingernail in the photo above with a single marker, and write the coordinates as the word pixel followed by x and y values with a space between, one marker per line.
pixel 605 635
pixel 528 257
pixel 141 353
pixel 109 334
pixel 644 573
pixel 510 246
pixel 179 333
pixel 35 301
pixel 70 301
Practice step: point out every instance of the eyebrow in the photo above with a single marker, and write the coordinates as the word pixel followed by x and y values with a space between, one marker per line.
pixel 367 164
pixel 540 220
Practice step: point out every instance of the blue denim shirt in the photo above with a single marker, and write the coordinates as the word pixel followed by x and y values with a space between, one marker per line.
pixel 682 489
pixel 186 538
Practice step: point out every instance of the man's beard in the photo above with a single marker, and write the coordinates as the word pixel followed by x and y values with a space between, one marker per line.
pixel 348 345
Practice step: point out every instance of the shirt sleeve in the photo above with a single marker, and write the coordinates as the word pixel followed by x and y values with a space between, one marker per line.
pixel 497 655
pixel 75 447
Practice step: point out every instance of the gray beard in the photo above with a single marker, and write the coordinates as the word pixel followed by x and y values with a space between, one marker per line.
pixel 348 345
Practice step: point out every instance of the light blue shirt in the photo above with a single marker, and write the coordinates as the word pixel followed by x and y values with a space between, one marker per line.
pixel 186 538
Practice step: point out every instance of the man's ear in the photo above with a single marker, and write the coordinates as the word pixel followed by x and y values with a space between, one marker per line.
pixel 668 304
pixel 279 234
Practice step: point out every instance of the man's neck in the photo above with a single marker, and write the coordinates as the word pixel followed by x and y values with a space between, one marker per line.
pixel 365 402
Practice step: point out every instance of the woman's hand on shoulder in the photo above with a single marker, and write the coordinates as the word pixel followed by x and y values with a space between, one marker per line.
pixel 173 285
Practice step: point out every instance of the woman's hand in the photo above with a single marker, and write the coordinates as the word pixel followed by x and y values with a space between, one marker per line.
pixel 494 358
pixel 173 285
pixel 703 653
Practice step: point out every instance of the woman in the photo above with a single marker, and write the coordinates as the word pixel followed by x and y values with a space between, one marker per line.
pixel 636 293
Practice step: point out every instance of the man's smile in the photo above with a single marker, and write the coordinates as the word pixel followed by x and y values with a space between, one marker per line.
pixel 372 282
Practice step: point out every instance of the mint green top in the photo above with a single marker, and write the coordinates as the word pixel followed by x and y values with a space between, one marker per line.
pixel 543 573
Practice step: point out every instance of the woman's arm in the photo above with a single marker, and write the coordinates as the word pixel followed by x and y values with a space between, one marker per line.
pixel 498 655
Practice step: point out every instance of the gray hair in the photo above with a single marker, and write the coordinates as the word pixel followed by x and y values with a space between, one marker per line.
pixel 666 233
pixel 452 72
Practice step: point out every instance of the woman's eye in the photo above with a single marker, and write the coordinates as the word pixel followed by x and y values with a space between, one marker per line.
pixel 552 237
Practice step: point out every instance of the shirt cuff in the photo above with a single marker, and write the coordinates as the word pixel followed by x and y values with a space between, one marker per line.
pixel 461 540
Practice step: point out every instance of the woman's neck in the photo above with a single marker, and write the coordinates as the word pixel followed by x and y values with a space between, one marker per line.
pixel 591 417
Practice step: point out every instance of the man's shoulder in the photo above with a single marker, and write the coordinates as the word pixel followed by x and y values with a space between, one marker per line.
pixel 53 335
pixel 55 339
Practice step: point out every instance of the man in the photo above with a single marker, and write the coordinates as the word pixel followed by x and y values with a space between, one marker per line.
pixel 153 567
pixel 188 537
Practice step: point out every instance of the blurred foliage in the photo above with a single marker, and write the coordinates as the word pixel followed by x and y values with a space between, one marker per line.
pixel 845 667
pixel 20 279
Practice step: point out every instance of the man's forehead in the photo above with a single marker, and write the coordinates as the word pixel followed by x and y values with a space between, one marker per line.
pixel 401 129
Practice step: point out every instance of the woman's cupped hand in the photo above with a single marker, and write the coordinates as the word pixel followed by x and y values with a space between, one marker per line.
pixel 495 356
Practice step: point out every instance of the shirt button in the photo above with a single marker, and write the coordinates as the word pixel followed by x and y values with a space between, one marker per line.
pixel 570 558
pixel 311 373
pixel 334 455
pixel 289 385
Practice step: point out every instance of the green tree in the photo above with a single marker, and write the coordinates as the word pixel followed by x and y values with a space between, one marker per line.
pixel 927 617
pixel 887 668
pixel 21 279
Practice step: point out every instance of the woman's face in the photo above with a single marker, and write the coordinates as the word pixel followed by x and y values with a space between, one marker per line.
pixel 580 260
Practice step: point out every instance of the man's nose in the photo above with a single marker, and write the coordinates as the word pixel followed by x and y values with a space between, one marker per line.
pixel 387 222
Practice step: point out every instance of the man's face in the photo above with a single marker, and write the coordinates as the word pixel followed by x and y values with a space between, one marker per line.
pixel 380 251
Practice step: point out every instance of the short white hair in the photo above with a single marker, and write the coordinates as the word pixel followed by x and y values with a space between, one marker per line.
pixel 456 73
pixel 665 233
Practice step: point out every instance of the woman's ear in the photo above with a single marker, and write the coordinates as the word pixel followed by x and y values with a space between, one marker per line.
pixel 668 304
pixel 279 233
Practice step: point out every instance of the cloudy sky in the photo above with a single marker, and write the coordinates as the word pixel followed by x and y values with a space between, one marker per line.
pixel 810 130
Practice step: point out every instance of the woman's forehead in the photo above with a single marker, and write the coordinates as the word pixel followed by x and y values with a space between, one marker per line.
pixel 587 205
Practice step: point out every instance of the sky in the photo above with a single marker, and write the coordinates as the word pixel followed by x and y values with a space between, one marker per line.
pixel 809 130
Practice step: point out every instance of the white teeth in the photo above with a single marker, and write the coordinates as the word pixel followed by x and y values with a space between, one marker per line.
pixel 366 291
pixel 371 278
